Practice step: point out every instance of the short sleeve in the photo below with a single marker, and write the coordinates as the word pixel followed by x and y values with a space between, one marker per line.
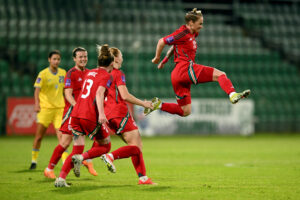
pixel 39 81
pixel 120 78
pixel 105 81
pixel 69 79
pixel 178 37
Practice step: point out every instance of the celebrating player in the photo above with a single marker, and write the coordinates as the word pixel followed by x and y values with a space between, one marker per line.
pixel 186 71
pixel 88 116
pixel 49 102
pixel 73 85
pixel 122 123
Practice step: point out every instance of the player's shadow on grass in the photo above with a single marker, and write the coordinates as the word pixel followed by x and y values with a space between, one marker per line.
pixel 78 189
pixel 26 171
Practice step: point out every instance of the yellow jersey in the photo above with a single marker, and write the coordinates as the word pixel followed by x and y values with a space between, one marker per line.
pixel 52 88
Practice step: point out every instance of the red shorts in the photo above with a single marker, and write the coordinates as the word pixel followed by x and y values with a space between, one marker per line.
pixel 122 124
pixel 89 128
pixel 65 127
pixel 184 75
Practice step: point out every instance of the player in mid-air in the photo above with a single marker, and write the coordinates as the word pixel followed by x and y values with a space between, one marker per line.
pixel 88 117
pixel 49 102
pixel 122 123
pixel 186 71
pixel 73 85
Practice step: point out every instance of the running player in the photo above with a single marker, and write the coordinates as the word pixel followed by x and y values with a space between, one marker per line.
pixel 186 71
pixel 88 116
pixel 49 102
pixel 122 123
pixel 73 84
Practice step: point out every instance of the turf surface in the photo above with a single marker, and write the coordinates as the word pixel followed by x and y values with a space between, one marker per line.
pixel 185 168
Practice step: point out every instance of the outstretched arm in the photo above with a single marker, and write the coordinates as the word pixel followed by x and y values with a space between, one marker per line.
pixel 160 46
pixel 126 96
pixel 165 60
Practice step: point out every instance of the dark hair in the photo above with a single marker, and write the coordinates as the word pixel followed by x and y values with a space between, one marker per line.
pixel 77 49
pixel 193 15
pixel 53 53
pixel 115 51
pixel 105 58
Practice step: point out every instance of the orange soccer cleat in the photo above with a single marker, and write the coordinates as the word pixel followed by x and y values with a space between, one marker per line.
pixel 49 174
pixel 148 181
pixel 90 167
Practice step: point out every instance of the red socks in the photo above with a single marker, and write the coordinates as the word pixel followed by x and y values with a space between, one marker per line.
pixel 226 84
pixel 172 108
pixel 136 157
pixel 125 152
pixel 68 165
pixel 56 155
pixel 139 164
pixel 96 151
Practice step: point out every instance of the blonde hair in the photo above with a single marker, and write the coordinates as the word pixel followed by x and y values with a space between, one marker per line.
pixel 193 15
pixel 115 51
pixel 105 57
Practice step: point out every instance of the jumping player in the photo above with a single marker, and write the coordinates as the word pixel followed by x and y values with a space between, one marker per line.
pixel 88 116
pixel 49 102
pixel 73 85
pixel 122 123
pixel 186 71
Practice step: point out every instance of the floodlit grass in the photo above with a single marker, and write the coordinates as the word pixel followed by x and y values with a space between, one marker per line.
pixel 185 168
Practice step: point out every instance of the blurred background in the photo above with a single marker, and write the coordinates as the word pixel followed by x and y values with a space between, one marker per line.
pixel 257 43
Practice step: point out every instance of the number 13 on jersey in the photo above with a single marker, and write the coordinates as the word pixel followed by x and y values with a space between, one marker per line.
pixel 88 83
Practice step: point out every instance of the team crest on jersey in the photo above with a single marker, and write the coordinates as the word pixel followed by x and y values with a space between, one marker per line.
pixel 170 39
pixel 38 80
pixel 80 79
pixel 61 79
pixel 108 84
pixel 92 74
pixel 123 79
pixel 68 82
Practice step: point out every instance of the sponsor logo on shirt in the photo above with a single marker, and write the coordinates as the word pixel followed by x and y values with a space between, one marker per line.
pixel 38 80
pixel 170 39
pixel 80 79
pixel 61 79
pixel 123 79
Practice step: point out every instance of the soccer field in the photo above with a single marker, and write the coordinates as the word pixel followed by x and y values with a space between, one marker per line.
pixel 185 167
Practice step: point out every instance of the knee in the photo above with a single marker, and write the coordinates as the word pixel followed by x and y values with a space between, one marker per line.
pixel 217 73
pixel 187 111
pixel 65 144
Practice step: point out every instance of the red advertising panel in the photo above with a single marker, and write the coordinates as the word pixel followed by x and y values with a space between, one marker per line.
pixel 21 118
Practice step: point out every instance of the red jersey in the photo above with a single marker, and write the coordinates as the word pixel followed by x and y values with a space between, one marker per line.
pixel 74 80
pixel 115 106
pixel 86 107
pixel 185 45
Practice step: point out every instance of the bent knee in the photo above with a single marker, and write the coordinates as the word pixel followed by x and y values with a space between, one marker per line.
pixel 186 112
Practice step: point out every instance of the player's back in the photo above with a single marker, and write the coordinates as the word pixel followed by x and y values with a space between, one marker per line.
pixel 85 107
pixel 115 106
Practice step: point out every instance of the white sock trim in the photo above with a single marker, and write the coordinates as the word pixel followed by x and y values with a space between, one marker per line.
pixel 232 93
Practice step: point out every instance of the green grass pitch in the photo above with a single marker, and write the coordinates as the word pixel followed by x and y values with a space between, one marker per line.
pixel 185 168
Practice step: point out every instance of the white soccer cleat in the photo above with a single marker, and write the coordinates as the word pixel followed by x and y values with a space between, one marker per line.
pixel 156 102
pixel 77 161
pixel 238 96
pixel 60 182
pixel 109 163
